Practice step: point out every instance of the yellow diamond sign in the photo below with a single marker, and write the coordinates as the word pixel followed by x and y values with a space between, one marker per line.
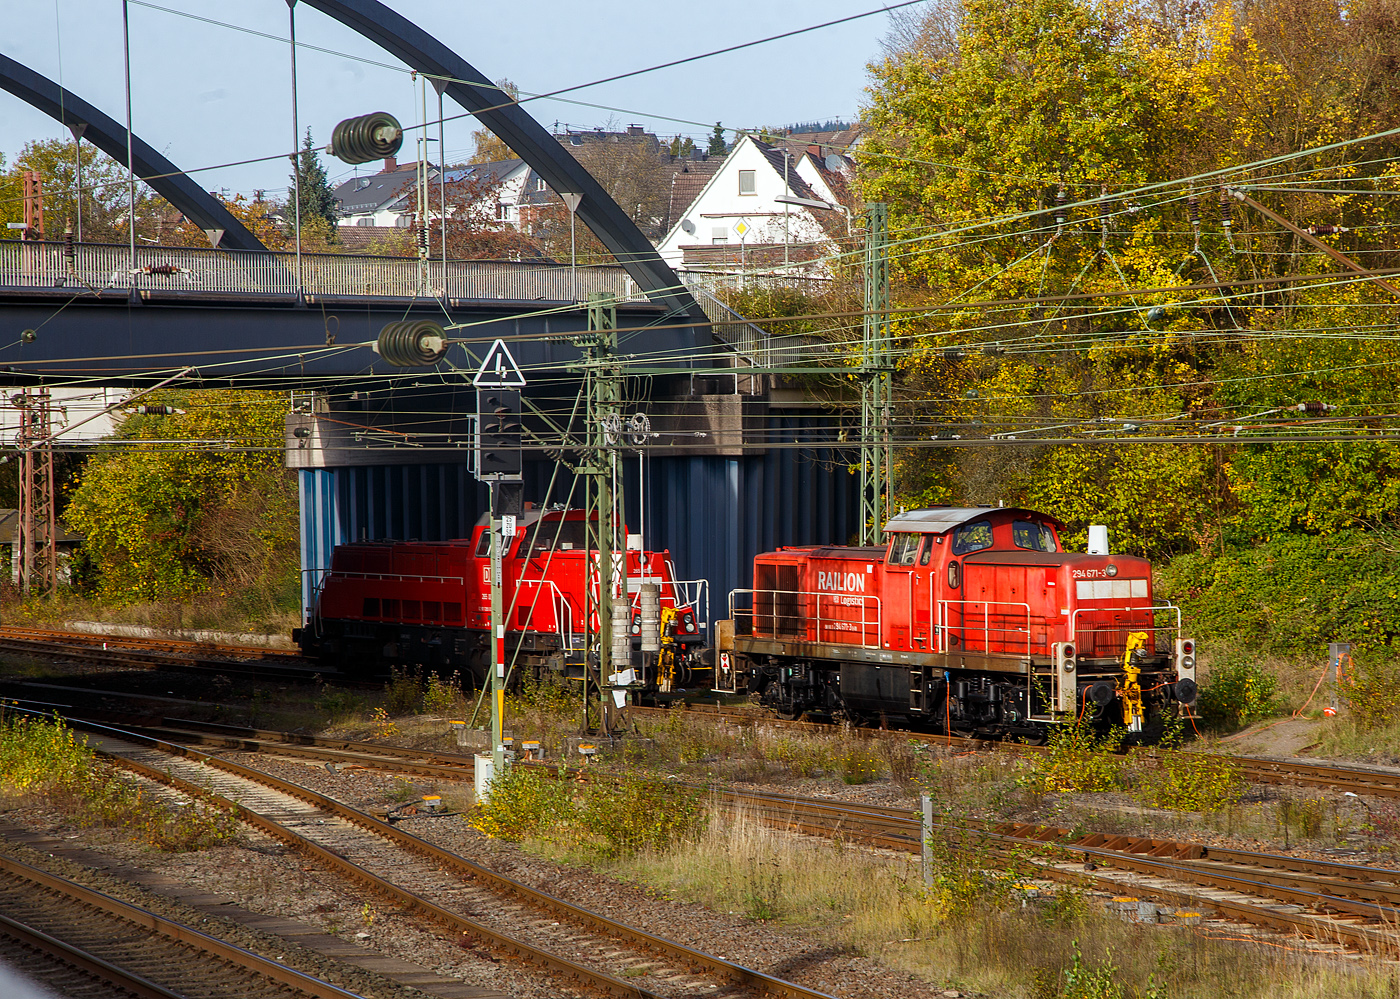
pixel 742 228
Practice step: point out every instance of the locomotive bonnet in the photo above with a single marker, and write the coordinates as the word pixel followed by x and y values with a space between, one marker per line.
pixel 968 619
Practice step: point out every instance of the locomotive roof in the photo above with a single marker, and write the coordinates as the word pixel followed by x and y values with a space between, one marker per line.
pixel 936 520
pixel 527 517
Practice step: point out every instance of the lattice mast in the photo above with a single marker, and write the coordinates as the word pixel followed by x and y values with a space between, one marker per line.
pixel 38 521
pixel 876 466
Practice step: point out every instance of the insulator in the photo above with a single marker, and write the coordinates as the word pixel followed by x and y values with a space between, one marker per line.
pixel 412 343
pixel 621 633
pixel 1193 208
pixel 1225 220
pixel 423 237
pixel 155 409
pixel 1313 407
pixel 368 137
pixel 952 355
pixel 1060 207
pixel 29 336
pixel 68 252
pixel 650 605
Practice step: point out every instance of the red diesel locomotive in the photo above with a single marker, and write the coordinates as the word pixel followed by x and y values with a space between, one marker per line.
pixel 969 620
pixel 429 603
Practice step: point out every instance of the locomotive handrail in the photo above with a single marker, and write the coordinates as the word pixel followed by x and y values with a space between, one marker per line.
pixel 561 602
pixel 1074 620
pixel 943 626
pixel 866 601
pixel 401 577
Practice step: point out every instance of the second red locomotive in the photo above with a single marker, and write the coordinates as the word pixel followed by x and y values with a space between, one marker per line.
pixel 429 603
pixel 969 619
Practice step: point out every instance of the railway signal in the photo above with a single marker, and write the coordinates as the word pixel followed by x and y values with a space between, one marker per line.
pixel 498 435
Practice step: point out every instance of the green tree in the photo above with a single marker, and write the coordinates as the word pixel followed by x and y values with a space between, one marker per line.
pixel 103 200
pixel 717 145
pixel 317 197
pixel 217 516
pixel 489 146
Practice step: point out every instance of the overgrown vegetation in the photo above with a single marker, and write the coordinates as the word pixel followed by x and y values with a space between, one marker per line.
pixel 45 760
pixel 611 815
pixel 1238 691
pixel 214 521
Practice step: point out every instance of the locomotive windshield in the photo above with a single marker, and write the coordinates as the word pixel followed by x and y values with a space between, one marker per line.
pixel 972 537
pixel 539 540
pixel 904 549
pixel 1032 536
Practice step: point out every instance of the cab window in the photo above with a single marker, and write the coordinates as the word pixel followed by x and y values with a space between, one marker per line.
pixel 1032 536
pixel 540 539
pixel 972 537
pixel 904 549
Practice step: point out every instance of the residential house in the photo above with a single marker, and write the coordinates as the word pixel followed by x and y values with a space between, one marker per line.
pixel 743 218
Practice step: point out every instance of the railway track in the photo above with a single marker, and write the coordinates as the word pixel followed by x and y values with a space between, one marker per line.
pixel 274 664
pixel 1353 904
pixel 1257 770
pixel 505 915
pixel 81 942
pixel 104 650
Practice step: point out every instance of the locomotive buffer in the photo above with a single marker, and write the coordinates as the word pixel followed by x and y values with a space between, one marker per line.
pixel 498 463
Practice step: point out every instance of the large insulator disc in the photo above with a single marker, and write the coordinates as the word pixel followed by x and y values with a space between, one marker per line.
pixel 368 137
pixel 412 343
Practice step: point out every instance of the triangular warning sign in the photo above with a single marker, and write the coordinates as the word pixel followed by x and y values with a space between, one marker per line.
pixel 499 369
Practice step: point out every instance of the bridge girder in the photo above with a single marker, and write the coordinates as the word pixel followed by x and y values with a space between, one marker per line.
pixel 108 135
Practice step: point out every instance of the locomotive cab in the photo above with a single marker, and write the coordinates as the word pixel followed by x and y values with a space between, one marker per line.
pixel 972 619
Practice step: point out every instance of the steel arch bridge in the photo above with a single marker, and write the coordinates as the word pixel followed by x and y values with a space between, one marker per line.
pixel 713 505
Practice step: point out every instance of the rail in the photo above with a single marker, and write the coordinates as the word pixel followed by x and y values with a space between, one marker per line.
pixel 1120 630
pixel 789 620
pixel 946 633
pixel 184 270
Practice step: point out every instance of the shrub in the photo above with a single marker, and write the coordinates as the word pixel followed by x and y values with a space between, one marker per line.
pixel 1372 688
pixel 1238 692
pixel 637 813
pixel 404 691
pixel 524 803
pixel 1191 781
pixel 443 697
pixel 612 816
pixel 40 756
pixel 1080 759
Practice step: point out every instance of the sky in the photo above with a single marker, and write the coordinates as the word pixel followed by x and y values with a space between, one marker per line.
pixel 206 95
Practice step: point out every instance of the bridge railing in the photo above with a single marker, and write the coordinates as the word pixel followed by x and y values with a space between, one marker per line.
pixel 182 270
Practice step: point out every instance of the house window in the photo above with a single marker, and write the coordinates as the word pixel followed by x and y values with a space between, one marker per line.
pixel 539 184
pixel 367 220
pixel 502 211
pixel 719 235
pixel 746 182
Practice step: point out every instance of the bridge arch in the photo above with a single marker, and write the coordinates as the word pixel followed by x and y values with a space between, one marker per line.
pixel 412 45
pixel 165 178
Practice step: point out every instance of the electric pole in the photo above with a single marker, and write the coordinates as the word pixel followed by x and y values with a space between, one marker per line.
pixel 876 471
pixel 602 373
pixel 38 523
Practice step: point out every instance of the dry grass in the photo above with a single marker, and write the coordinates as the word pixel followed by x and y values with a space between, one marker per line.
pixel 998 943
